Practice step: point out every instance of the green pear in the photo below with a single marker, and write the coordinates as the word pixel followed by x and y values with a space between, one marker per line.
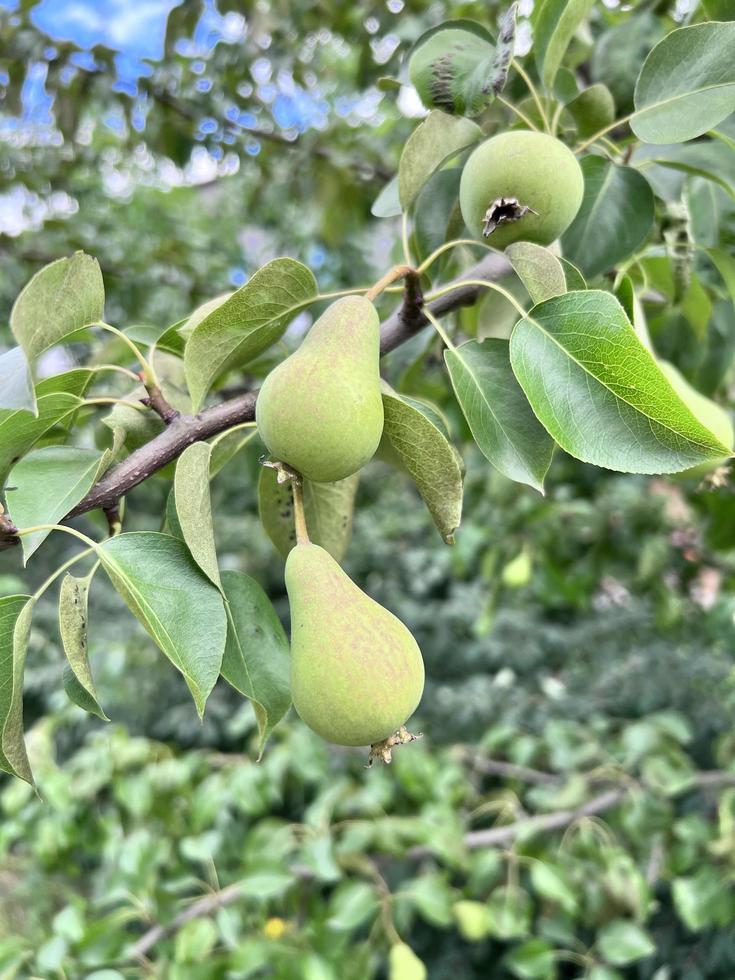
pixel 356 671
pixel 320 410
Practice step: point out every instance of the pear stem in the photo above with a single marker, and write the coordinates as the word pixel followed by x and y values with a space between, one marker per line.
pixel 397 272
pixel 302 535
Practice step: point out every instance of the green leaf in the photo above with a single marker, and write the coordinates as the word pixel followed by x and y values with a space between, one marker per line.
pixel 257 660
pixel 74 382
pixel 592 110
pixel 16 613
pixel 73 620
pixel 387 204
pixel 16 383
pixel 195 941
pixel 227 447
pixel 534 960
pixel 686 85
pixel 19 430
pixel 509 913
pixel 177 605
pixel 46 485
pixel 423 451
pixel 246 323
pixel 554 26
pixel 600 393
pixel 63 297
pixel 701 899
pixel 621 942
pixel 353 903
pixel 194 507
pixel 719 9
pixel 328 509
pixel 438 138
pixel 437 216
pixel 574 278
pixel 712 416
pixel 538 269
pixel 551 882
pixel 725 265
pixel 497 412
pixel 615 216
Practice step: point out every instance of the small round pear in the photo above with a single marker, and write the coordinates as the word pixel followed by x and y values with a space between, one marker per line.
pixel 321 409
pixel 357 674
pixel 520 186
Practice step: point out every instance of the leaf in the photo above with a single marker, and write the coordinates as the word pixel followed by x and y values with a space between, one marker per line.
pixel 686 85
pixel 46 485
pixel 553 28
pixel 63 297
pixel 621 942
pixel 19 430
pixel 246 323
pixel 16 383
pixel 328 509
pixel 600 393
pixel 74 382
pixel 552 883
pixel 175 602
pixel 615 216
pixel 574 278
pixel 712 416
pixel 509 913
pixel 257 660
pixel 500 418
pixel 437 215
pixel 534 960
pixel 538 269
pixel 227 447
pixel 194 507
pixel 725 265
pixel 434 140
pixel 16 612
pixel 699 899
pixel 73 619
pixel 387 204
pixel 719 9
pixel 426 455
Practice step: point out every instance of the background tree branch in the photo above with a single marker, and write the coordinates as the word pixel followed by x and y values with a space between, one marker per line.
pixel 405 322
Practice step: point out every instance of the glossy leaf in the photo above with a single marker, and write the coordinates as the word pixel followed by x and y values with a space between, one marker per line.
pixel 19 430
pixel 194 507
pixel 438 138
pixel 65 296
pixel 257 660
pixel 554 26
pixel 422 449
pixel 175 602
pixel 46 485
pixel 687 84
pixel 538 269
pixel 328 509
pixel 497 412
pixel 615 216
pixel 16 612
pixel 600 393
pixel 73 622
pixel 16 383
pixel 246 323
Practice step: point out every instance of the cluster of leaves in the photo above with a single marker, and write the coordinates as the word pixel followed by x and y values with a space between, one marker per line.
pixel 304 868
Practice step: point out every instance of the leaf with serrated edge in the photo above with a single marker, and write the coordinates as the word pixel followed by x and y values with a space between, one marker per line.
pixel 246 323
pixel 16 613
pixel 175 602
pixel 428 458
pixel 686 85
pixel 257 660
pixel 600 393
pixel 540 272
pixel 16 383
pixel 46 485
pixel 73 620
pixel 194 507
pixel 497 412
pixel 434 140
pixel 63 297
pixel 20 430
pixel 328 509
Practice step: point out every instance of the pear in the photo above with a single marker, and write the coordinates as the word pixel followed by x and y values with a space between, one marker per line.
pixel 356 671
pixel 321 410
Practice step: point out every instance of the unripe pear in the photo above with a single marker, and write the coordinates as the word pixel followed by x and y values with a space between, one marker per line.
pixel 356 671
pixel 520 186
pixel 321 410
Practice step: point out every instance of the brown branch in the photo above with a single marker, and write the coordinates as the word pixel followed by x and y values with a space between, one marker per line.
pixel 403 324
pixel 509 770
pixel 157 401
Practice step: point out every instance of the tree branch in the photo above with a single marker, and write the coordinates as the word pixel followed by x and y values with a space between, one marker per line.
pixel 404 323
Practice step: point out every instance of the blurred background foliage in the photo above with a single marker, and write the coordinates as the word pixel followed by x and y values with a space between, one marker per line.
pixel 583 639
